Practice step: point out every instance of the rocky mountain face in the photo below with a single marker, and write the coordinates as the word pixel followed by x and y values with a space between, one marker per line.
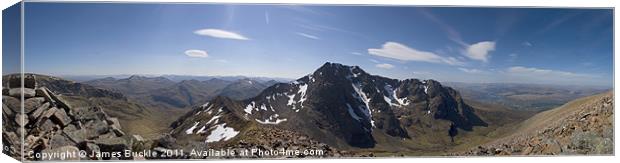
pixel 220 125
pixel 342 106
pixel 48 124
pixel 580 127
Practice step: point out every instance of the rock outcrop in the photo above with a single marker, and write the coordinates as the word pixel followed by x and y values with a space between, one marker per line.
pixel 48 124
pixel 581 127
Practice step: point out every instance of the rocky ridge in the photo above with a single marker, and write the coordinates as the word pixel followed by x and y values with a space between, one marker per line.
pixel 588 130
pixel 48 124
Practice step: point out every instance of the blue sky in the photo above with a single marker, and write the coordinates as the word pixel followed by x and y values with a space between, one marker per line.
pixel 522 45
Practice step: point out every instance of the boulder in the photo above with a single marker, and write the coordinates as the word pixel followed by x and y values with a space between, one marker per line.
pixel 21 119
pixel 76 135
pixel 12 102
pixel 47 125
pixel 59 101
pixel 16 92
pixel 167 141
pixel 43 92
pixel 59 140
pixel 114 122
pixel 117 131
pixel 46 115
pixel 31 104
pixel 60 117
pixel 37 113
pixel 5 91
pixel 30 81
pixel 34 142
pixel 7 111
pixel 15 81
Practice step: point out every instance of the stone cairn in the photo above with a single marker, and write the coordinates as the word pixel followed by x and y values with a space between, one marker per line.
pixel 48 124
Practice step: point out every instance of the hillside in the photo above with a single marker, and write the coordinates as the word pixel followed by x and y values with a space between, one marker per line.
pixel 582 126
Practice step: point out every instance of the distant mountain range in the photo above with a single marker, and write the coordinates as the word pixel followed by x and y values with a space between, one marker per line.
pixel 161 91
pixel 175 78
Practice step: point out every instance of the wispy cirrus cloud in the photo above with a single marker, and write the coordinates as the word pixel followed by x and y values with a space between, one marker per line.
pixel 266 17
pixel 196 53
pixel 219 33
pixel 478 51
pixel 402 52
pixel 471 71
pixel 308 36
pixel 385 66
pixel 451 32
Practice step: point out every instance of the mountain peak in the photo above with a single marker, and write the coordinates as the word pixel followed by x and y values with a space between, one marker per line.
pixel 331 65
pixel 134 77
pixel 337 69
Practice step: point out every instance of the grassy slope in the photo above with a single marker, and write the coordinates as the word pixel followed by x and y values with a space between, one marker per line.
pixel 548 117
pixel 558 126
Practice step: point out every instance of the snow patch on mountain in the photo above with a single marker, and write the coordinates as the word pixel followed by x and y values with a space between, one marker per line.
pixel 391 96
pixel 302 92
pixel 221 132
pixel 360 95
pixel 248 109
pixel 202 130
pixel 214 118
pixel 272 120
pixel 191 129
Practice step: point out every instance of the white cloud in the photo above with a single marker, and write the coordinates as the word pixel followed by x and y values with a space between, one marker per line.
pixel 196 53
pixel 402 52
pixel 308 36
pixel 218 33
pixel 385 66
pixel 526 43
pixel 356 53
pixel 471 71
pixel 480 51
pixel 519 70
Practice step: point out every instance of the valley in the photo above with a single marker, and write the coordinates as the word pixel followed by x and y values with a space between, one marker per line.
pixel 338 109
